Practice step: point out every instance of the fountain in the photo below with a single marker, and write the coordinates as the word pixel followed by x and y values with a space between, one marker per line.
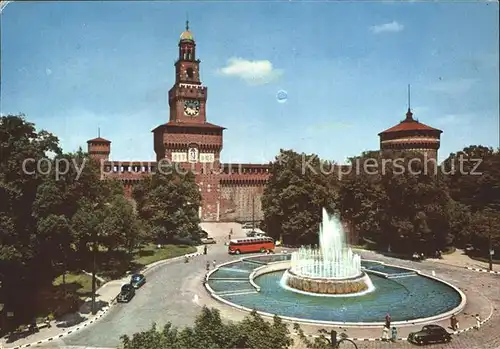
pixel 331 269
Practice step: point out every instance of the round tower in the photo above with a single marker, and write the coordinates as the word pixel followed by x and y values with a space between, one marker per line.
pixel 99 148
pixel 411 135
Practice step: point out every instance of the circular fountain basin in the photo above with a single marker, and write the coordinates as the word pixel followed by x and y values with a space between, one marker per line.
pixel 353 286
pixel 257 283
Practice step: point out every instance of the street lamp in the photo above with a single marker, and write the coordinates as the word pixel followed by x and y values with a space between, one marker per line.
pixel 94 253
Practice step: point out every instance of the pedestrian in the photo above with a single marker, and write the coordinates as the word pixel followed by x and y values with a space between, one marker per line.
pixel 208 265
pixel 214 263
pixel 457 325
pixel 394 334
pixel 47 322
pixel 388 320
pixel 205 249
pixel 453 322
pixel 478 321
pixel 385 333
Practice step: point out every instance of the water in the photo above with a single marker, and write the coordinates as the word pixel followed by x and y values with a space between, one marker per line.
pixel 405 298
pixel 333 259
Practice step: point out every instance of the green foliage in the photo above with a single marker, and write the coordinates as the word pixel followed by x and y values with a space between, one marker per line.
pixel 210 332
pixel 299 187
pixel 397 199
pixel 52 206
pixel 168 203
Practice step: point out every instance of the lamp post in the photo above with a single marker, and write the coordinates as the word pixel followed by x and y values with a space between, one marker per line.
pixel 94 266
pixel 490 249
pixel 253 212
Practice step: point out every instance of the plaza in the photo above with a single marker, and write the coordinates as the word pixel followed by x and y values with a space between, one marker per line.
pixel 175 293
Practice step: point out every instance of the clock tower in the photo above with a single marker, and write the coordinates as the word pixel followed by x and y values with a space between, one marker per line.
pixel 187 141
pixel 188 97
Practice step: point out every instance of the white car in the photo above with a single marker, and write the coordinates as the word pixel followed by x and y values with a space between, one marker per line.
pixel 247 225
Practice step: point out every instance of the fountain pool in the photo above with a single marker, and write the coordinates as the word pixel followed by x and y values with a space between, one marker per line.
pixel 405 294
pixel 332 285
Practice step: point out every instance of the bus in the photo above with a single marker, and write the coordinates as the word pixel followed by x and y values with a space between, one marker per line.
pixel 254 244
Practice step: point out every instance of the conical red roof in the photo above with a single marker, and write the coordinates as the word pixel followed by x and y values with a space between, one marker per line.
pixel 409 124
pixel 98 140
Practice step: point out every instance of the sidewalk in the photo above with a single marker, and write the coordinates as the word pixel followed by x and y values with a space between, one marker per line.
pixel 67 324
pixel 460 259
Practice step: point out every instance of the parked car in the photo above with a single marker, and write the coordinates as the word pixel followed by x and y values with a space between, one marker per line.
pixel 469 248
pixel 137 280
pixel 430 334
pixel 255 234
pixel 203 234
pixel 208 240
pixel 126 293
pixel 247 225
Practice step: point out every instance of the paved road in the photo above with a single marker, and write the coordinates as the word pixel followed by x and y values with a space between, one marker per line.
pixel 167 296
pixel 170 293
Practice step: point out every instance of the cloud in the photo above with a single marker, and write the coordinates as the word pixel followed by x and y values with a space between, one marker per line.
pixel 456 86
pixel 391 27
pixel 252 72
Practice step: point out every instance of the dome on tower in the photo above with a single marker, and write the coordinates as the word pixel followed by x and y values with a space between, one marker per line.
pixel 187 35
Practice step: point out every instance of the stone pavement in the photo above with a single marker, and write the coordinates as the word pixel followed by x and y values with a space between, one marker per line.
pixel 70 323
pixel 482 294
pixel 460 259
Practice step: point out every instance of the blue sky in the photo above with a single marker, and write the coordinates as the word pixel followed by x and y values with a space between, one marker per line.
pixel 72 67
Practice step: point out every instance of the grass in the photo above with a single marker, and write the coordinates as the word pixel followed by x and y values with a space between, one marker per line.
pixel 151 253
pixel 116 264
pixel 485 260
pixel 76 283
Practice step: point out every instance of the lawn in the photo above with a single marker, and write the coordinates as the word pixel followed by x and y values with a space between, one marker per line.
pixel 151 253
pixel 76 283
pixel 485 260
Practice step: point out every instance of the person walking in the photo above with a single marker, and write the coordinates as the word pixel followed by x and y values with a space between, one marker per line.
pixel 388 320
pixel 385 334
pixel 453 322
pixel 214 263
pixel 478 321
pixel 394 334
pixel 208 265
pixel 205 249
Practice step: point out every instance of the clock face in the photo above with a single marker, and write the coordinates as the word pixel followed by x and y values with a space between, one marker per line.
pixel 191 107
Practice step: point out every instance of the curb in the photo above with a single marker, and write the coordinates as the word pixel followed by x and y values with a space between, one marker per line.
pixel 483 270
pixel 64 334
pixel 104 310
pixel 404 338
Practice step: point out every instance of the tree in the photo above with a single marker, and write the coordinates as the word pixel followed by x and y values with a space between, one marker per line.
pixel 299 187
pixel 395 199
pixel 473 176
pixel 168 203
pixel 210 332
pixel 486 234
pixel 21 147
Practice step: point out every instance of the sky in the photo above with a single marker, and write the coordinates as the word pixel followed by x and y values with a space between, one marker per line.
pixel 74 67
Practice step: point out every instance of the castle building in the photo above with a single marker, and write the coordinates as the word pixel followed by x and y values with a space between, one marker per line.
pixel 189 142
pixel 411 135
pixel 230 191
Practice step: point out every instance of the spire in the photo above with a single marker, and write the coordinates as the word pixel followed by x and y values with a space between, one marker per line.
pixel 98 132
pixel 187 22
pixel 409 114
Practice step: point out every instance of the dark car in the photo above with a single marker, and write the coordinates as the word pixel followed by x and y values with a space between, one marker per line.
pixel 126 293
pixel 137 280
pixel 430 334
